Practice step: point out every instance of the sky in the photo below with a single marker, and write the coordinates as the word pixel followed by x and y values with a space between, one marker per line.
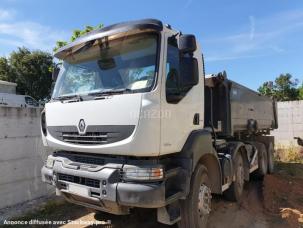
pixel 253 40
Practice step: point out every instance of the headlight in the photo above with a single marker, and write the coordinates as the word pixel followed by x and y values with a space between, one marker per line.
pixel 144 174
pixel 50 162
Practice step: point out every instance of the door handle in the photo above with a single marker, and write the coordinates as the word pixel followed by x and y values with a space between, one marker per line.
pixel 196 120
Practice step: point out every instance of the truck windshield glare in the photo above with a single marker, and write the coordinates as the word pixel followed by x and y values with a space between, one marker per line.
pixel 127 64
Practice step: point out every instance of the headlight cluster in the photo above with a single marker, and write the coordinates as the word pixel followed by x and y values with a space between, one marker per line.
pixel 50 162
pixel 143 174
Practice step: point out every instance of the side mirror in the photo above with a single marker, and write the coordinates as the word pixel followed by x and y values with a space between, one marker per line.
pixel 189 71
pixel 187 43
pixel 55 72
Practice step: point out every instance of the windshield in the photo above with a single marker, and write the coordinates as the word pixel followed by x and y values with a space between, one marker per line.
pixel 127 64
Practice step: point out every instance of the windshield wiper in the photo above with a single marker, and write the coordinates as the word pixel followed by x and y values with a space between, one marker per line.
pixel 69 98
pixel 102 93
pixel 110 92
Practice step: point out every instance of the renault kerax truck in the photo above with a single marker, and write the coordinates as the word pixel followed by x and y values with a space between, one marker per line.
pixel 134 122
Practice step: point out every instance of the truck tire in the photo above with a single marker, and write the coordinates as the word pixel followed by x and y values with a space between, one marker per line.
pixel 270 157
pixel 262 161
pixel 235 190
pixel 196 207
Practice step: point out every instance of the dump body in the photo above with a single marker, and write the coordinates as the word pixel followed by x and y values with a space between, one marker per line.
pixel 231 108
pixel 247 105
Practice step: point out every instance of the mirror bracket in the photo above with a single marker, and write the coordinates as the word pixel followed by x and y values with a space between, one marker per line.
pixel 55 71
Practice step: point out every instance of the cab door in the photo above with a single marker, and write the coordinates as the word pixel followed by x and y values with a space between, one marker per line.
pixel 179 115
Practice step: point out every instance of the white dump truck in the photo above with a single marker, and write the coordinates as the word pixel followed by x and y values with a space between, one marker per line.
pixel 134 122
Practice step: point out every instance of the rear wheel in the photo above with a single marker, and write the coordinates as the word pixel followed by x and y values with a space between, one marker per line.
pixel 262 160
pixel 196 208
pixel 234 192
pixel 270 156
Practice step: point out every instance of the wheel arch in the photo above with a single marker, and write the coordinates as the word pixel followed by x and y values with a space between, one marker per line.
pixel 199 148
pixel 213 167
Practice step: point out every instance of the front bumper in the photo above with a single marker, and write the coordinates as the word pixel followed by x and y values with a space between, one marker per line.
pixel 101 187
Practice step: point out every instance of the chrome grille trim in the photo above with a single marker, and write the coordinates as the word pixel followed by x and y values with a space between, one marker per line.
pixel 84 136
pixel 88 138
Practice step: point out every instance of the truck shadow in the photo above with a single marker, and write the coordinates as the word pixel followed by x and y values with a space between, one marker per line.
pixel 248 213
pixel 138 218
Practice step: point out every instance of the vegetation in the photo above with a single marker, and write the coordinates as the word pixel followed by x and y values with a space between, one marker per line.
pixel 5 70
pixel 289 154
pixel 292 169
pixel 284 88
pixel 76 34
pixel 30 70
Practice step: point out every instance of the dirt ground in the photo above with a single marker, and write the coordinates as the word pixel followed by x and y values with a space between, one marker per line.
pixel 283 194
pixel 275 202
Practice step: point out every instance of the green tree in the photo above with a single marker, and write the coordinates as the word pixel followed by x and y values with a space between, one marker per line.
pixel 301 92
pixel 284 88
pixel 266 89
pixel 30 70
pixel 76 34
pixel 5 70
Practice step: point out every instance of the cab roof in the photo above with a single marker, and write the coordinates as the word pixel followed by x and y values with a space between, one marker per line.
pixel 153 24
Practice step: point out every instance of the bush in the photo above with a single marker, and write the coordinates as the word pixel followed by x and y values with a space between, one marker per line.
pixel 289 153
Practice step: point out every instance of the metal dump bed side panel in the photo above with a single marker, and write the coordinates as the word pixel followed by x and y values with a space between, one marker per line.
pixel 246 104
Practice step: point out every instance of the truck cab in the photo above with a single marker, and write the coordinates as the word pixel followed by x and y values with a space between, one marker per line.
pixel 119 79
pixel 127 125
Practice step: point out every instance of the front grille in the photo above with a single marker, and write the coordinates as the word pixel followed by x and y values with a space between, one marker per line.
pixel 95 134
pixel 88 138
pixel 79 180
pixel 87 160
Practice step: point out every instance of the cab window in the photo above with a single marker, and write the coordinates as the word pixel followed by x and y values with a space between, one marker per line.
pixel 172 70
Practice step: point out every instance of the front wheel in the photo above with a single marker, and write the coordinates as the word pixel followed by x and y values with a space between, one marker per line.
pixel 196 208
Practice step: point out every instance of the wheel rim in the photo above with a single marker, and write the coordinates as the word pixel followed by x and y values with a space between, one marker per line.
pixel 204 201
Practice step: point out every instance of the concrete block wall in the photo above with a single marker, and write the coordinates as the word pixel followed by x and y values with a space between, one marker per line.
pixel 21 156
pixel 290 120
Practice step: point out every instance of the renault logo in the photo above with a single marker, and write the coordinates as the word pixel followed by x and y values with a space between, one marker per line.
pixel 81 126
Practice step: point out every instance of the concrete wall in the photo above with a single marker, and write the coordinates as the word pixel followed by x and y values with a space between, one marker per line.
pixel 21 156
pixel 290 120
